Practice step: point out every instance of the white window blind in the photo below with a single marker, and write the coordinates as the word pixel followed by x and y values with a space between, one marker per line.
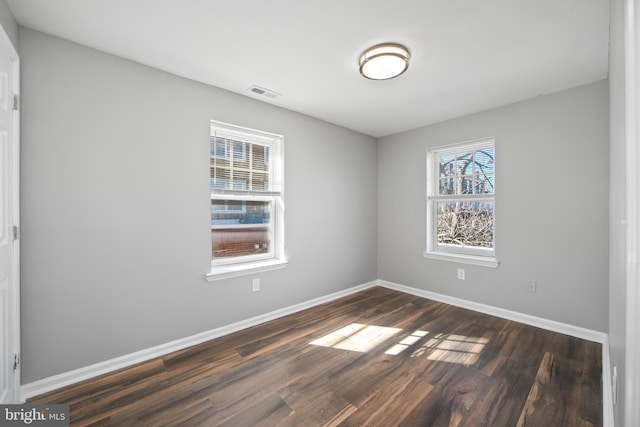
pixel 245 161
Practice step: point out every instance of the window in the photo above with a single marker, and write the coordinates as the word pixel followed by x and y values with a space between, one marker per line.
pixel 246 183
pixel 461 203
pixel 224 148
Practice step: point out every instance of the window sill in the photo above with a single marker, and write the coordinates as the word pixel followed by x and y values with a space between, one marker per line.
pixel 463 259
pixel 221 272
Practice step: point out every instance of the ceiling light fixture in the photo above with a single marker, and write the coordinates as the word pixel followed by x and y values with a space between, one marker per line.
pixel 384 61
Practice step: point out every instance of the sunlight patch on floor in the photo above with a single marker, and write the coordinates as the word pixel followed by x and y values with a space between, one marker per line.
pixel 452 348
pixel 406 342
pixel 357 337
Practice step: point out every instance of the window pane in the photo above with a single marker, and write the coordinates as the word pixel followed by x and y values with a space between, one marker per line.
pixel 219 183
pixel 484 160
pixel 240 228
pixel 448 182
pixel 465 224
pixel 240 179
pixel 220 148
pixel 260 181
pixel 218 205
pixel 464 163
pixel 466 185
pixel 483 184
pixel 220 179
pixel 239 151
pixel 235 206
pixel 259 157
pixel 483 171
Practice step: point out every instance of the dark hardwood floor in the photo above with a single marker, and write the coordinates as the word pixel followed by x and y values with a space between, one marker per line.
pixel 375 358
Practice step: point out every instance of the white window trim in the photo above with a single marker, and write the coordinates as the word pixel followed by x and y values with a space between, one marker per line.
pixel 465 255
pixel 236 270
pixel 275 259
pixel 483 261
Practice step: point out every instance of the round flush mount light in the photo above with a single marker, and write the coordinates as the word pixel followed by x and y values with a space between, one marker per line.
pixel 384 61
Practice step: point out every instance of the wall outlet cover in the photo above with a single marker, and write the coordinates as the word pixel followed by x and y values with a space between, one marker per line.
pixel 532 286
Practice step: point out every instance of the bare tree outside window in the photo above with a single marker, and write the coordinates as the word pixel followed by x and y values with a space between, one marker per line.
pixel 466 223
pixel 461 195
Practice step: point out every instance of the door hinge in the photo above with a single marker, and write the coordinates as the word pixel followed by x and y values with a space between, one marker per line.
pixel 16 102
pixel 16 361
pixel 16 232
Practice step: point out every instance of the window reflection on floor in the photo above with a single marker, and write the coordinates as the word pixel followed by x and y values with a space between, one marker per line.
pixel 450 348
pixel 453 349
pixel 406 342
pixel 357 337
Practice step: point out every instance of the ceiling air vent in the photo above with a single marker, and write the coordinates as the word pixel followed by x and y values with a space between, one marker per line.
pixel 264 92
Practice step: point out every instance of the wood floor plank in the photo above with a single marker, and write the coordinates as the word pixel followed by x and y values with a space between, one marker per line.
pixel 555 395
pixel 493 406
pixel 391 401
pixel 449 403
pixel 375 358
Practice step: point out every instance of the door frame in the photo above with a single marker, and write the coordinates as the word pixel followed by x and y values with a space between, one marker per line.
pixel 14 210
pixel 632 138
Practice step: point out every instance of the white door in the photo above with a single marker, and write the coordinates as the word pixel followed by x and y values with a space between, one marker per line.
pixel 9 250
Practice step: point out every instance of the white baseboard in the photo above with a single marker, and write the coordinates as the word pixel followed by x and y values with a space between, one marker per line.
pixel 67 378
pixel 607 390
pixel 551 325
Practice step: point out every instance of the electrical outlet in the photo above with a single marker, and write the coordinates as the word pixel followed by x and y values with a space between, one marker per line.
pixel 461 273
pixel 532 286
pixel 255 285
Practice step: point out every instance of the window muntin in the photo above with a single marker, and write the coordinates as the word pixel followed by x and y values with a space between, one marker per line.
pixel 461 199
pixel 246 195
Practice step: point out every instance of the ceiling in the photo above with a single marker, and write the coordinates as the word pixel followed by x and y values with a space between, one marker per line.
pixel 466 55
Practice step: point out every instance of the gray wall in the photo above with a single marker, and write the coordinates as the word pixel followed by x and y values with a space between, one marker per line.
pixel 617 191
pixel 8 23
pixel 551 207
pixel 115 207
